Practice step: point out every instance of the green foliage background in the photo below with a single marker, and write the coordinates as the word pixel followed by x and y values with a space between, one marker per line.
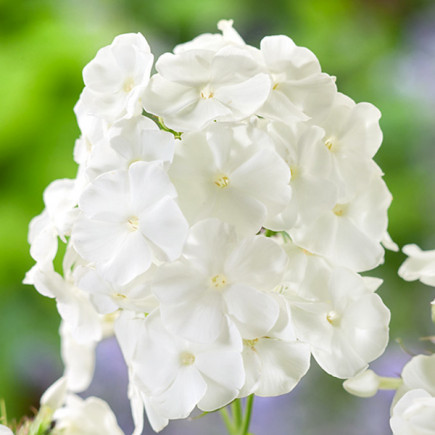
pixel 44 45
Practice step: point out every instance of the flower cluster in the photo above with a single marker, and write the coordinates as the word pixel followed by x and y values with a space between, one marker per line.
pixel 221 214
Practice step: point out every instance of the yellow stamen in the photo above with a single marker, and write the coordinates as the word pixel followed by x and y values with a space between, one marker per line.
pixel 221 181
pixel 133 223
pixel 187 359
pixel 218 281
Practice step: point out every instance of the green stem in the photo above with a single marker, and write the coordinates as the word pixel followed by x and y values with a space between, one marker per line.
pixel 248 413
pixel 239 424
pixel 227 420
pixel 236 410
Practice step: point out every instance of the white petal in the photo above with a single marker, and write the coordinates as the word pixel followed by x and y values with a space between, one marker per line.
pixel 253 312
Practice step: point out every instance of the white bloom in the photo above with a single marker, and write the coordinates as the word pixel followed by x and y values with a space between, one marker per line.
pixel 116 78
pixel 214 42
pixel 197 86
pixel 129 218
pixel 220 276
pixel 351 136
pixel 364 384
pixel 312 192
pixel 78 359
pixel 299 89
pixel 414 414
pixel 351 232
pixel 85 417
pixel 419 265
pixel 181 374
pixel 419 373
pixel 5 430
pixel 337 313
pixel 128 141
pixel 108 297
pixel 275 363
pixel 223 172
pixel 73 304
pixel 60 199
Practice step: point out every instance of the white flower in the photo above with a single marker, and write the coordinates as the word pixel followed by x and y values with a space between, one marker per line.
pixel 299 89
pixel 71 415
pixel 129 218
pixel 275 363
pixel 223 172
pixel 108 297
pixel 220 276
pixel 85 417
pixel 312 192
pixel 78 359
pixel 351 232
pixel 181 374
pixel 128 141
pixel 116 78
pixel 60 199
pixel 414 414
pixel 419 265
pixel 419 373
pixel 364 384
pixel 197 86
pixel 214 42
pixel 337 313
pixel 5 430
pixel 73 304
pixel 351 136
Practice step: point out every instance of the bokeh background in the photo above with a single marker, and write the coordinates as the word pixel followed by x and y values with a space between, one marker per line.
pixel 381 51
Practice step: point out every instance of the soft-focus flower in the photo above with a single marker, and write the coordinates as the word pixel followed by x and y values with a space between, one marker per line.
pixel 414 414
pixel 419 265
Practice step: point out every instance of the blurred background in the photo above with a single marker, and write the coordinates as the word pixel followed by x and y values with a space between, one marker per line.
pixel 381 51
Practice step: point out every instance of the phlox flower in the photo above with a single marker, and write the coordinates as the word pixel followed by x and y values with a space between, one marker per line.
pixel 197 86
pixel 352 136
pixel 350 233
pixel 313 193
pixel 116 78
pixel 220 277
pixel 414 414
pixel 233 174
pixel 299 90
pixel 128 141
pixel 129 218
pixel 276 362
pixel 419 265
pixel 337 312
pixel 176 374
pixel 60 199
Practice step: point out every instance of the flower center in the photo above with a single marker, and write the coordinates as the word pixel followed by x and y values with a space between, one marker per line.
pixel 128 85
pixel 330 144
pixel 206 93
pixel 333 318
pixel 133 223
pixel 218 281
pixel 119 296
pixel 221 181
pixel 251 343
pixel 339 209
pixel 187 359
